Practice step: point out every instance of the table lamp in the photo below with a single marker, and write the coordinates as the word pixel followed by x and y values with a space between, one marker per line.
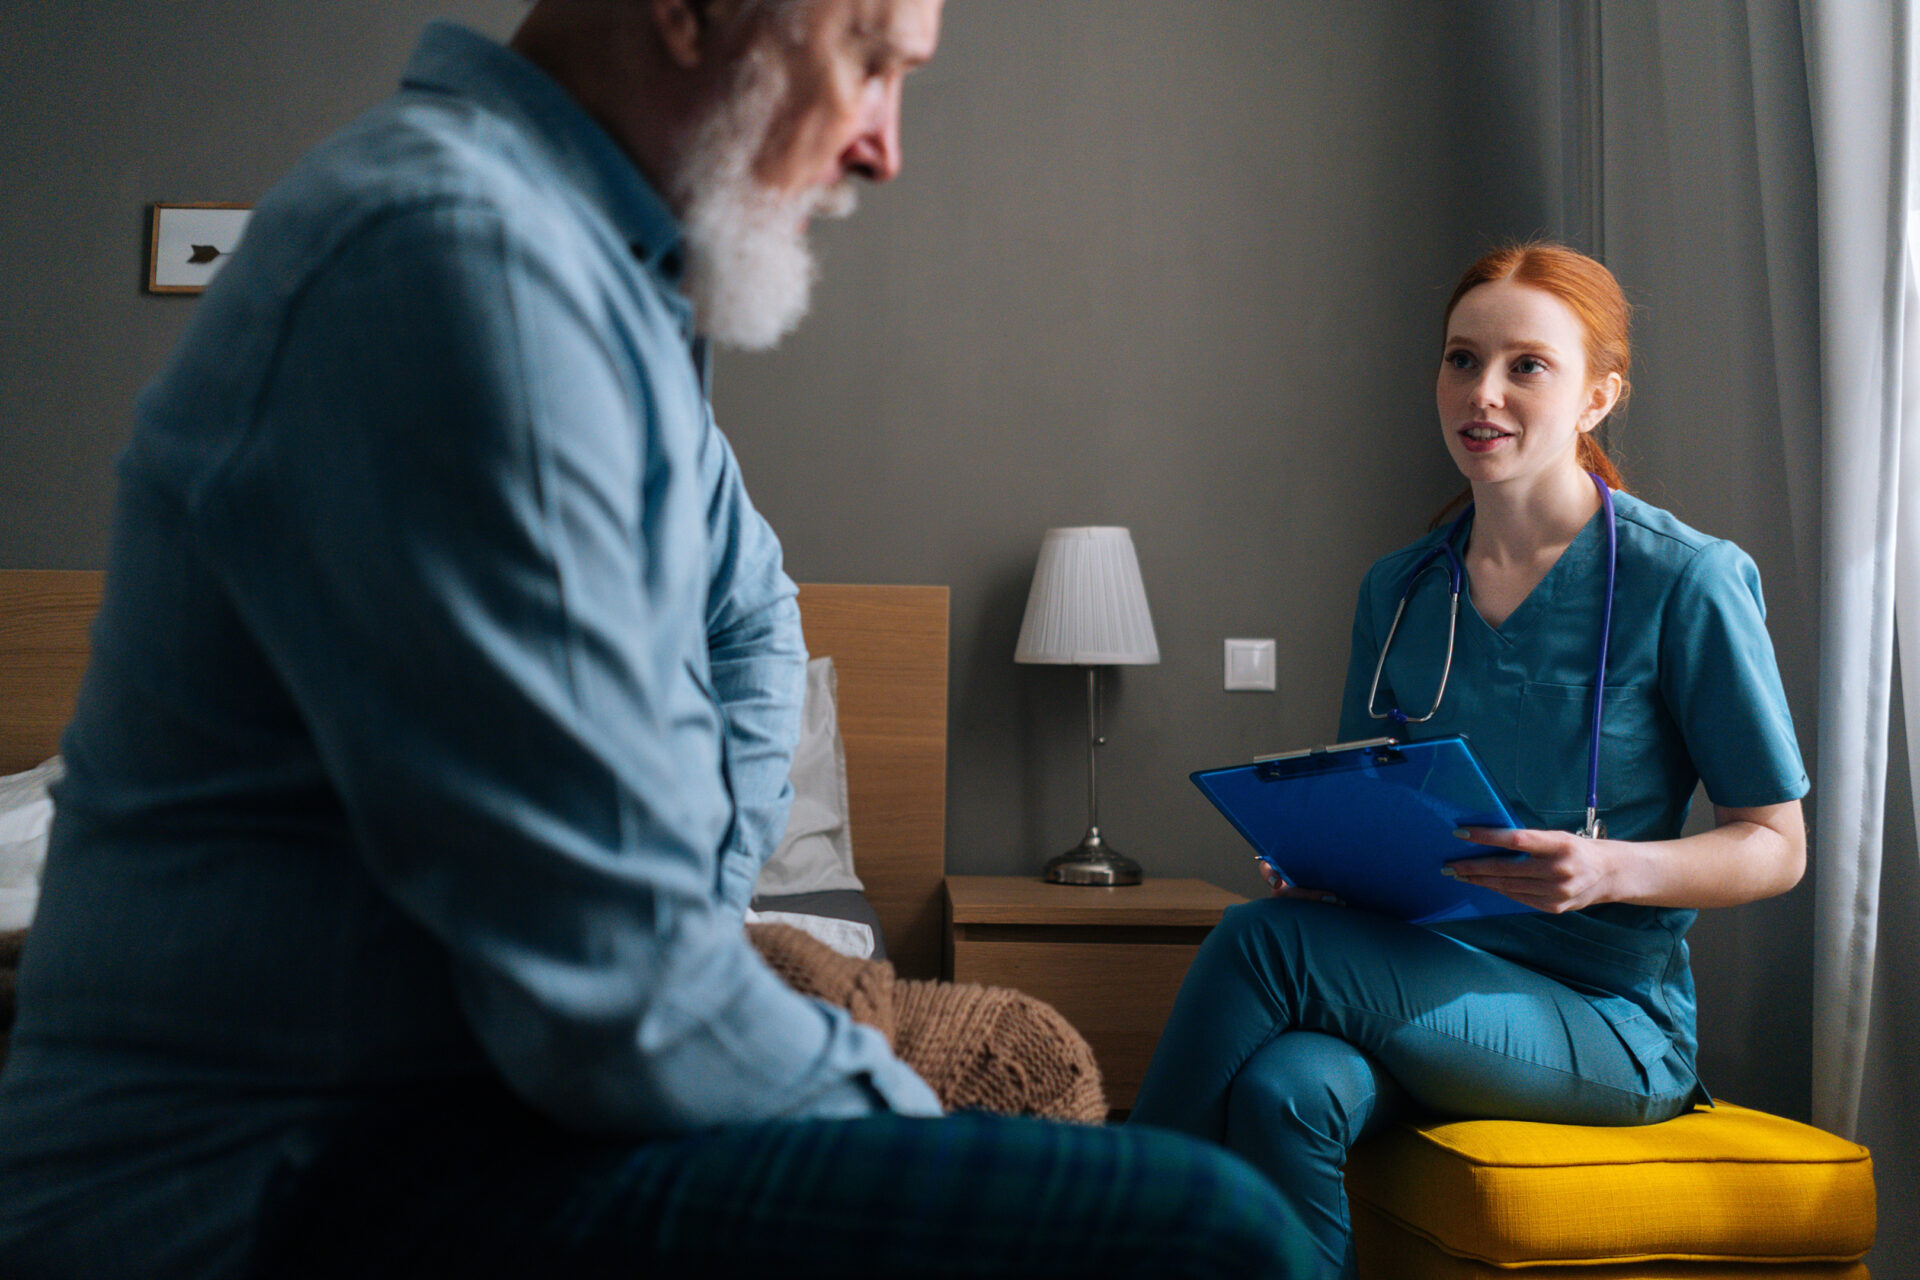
pixel 1088 608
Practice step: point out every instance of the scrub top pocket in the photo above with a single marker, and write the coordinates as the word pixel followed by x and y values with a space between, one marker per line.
pixel 1550 749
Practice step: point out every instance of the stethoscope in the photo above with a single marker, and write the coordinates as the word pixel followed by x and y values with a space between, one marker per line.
pixel 1594 829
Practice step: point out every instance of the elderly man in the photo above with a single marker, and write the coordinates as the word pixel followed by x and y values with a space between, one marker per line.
pixel 439 719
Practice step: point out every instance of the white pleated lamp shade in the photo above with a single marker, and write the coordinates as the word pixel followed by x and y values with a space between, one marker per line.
pixel 1087 605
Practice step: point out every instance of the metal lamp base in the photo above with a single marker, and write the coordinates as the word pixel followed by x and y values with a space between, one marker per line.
pixel 1092 861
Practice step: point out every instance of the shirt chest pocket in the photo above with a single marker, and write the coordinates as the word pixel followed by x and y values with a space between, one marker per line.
pixel 1555 732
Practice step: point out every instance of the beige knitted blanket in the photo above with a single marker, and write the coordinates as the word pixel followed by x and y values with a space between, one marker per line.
pixel 983 1048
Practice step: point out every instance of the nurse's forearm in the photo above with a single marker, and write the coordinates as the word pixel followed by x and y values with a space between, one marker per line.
pixel 1749 854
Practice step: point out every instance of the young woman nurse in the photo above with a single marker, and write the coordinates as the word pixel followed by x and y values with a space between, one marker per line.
pixel 1304 1026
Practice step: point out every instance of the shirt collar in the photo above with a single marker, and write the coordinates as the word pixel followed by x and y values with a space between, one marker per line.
pixel 453 60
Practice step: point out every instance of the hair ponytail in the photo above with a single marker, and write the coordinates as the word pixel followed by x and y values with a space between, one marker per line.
pixel 1594 458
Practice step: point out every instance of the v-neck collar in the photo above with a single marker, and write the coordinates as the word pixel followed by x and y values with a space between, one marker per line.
pixel 1571 567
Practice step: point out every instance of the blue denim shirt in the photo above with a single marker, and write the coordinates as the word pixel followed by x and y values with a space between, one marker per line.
pixel 440 709
pixel 1693 694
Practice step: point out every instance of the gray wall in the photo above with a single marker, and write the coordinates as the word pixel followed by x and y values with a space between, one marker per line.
pixel 1173 267
pixel 1119 297
pixel 110 106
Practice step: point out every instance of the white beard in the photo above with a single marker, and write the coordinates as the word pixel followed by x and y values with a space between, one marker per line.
pixel 750 271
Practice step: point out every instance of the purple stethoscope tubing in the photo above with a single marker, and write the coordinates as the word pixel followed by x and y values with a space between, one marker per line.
pixel 1595 828
pixel 1456 571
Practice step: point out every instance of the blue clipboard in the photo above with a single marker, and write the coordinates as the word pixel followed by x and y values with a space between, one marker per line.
pixel 1372 822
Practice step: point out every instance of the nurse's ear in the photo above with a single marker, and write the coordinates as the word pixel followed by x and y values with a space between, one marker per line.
pixel 1601 397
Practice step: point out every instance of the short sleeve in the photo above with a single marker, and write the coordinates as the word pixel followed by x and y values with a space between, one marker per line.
pixel 1721 682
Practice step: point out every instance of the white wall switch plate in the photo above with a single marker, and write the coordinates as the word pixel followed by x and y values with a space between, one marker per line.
pixel 1250 665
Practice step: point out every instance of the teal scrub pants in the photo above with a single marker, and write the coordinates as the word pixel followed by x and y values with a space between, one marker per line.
pixel 1303 1027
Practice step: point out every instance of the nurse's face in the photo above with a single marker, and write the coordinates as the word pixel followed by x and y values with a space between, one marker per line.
pixel 1513 391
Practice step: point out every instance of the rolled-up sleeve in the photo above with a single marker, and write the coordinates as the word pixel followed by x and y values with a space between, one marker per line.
pixel 476 524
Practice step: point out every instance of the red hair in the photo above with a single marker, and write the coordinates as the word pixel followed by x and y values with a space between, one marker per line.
pixel 1595 298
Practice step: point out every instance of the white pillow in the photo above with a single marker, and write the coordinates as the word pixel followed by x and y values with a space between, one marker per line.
pixel 848 937
pixel 26 811
pixel 816 853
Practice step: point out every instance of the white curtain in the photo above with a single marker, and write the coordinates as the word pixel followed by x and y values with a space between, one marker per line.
pixel 1860 66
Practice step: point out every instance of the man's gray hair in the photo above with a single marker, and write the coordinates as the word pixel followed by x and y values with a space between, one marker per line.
pixel 786 13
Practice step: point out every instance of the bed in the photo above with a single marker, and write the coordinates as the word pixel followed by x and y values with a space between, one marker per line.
pixel 889 651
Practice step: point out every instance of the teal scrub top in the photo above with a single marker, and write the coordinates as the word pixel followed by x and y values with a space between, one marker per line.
pixel 1693 695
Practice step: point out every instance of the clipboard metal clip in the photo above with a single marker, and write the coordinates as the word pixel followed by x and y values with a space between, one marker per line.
pixel 1380 751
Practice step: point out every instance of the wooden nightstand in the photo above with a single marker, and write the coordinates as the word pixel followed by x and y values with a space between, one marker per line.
pixel 1110 960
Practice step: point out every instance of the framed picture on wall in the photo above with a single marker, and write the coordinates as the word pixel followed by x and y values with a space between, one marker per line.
pixel 191 242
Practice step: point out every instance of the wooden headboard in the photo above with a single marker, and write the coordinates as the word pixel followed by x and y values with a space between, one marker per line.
pixel 889 646
pixel 44 616
pixel 889 651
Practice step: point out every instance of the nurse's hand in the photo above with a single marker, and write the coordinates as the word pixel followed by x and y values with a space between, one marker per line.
pixel 1750 853
pixel 1284 888
pixel 1561 872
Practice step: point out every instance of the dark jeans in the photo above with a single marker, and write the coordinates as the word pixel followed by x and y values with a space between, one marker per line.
pixel 471 1184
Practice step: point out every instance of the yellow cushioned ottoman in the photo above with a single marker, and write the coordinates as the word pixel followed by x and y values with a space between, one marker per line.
pixel 1725 1191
